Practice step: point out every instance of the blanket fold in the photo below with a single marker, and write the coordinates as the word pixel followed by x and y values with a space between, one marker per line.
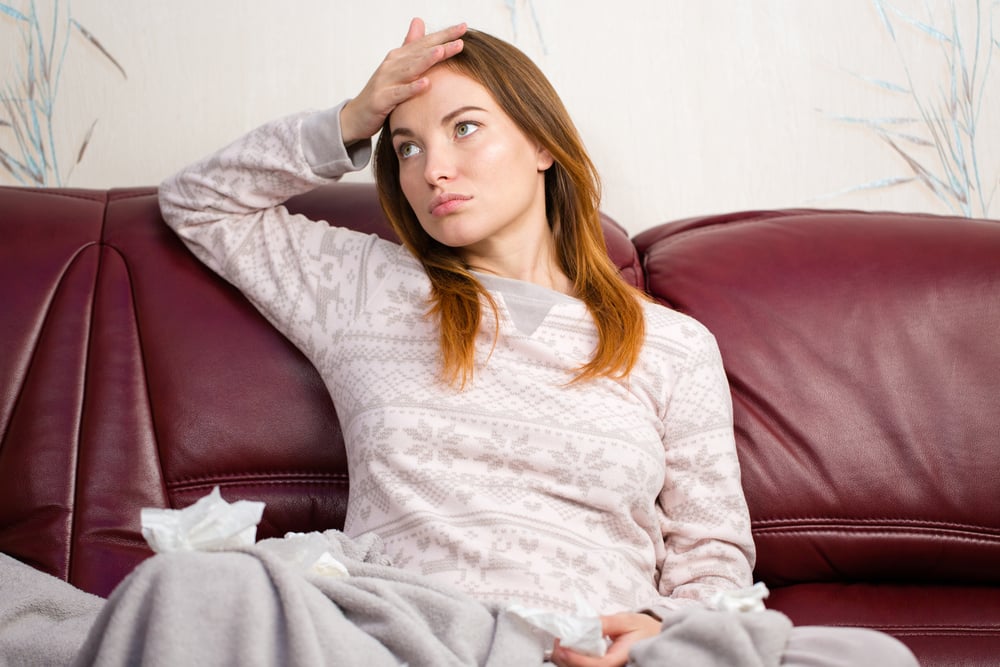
pixel 697 636
pixel 265 605
pixel 258 606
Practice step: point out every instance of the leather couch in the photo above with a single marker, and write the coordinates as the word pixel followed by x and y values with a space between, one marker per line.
pixel 862 350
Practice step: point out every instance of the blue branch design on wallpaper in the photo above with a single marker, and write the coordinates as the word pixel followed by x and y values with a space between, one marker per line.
pixel 943 152
pixel 513 9
pixel 27 102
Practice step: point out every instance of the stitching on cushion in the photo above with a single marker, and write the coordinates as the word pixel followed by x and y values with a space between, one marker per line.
pixel 778 522
pixel 925 631
pixel 782 214
pixel 120 196
pixel 882 532
pixel 274 479
pixel 101 195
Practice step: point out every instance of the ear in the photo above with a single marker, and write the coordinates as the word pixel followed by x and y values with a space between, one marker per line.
pixel 545 159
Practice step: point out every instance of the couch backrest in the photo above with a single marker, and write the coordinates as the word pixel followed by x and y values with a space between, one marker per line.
pixel 864 359
pixel 131 376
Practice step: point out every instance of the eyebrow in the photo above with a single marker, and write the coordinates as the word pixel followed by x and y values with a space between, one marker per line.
pixel 448 118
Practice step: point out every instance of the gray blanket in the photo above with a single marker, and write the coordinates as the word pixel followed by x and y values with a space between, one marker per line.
pixel 269 605
pixel 43 620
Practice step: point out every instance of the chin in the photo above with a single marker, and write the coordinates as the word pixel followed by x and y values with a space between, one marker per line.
pixel 455 244
pixel 454 240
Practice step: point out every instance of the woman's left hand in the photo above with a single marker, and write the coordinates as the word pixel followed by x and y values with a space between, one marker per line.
pixel 624 630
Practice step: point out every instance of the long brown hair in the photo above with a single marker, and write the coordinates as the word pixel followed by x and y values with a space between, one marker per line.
pixel 572 196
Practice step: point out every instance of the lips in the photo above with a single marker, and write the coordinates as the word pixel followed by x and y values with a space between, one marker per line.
pixel 445 203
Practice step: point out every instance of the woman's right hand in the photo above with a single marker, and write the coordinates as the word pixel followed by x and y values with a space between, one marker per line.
pixel 397 79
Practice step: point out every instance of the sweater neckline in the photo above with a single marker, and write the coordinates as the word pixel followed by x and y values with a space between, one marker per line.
pixel 527 304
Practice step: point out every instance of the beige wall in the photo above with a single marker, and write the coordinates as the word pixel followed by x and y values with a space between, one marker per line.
pixel 688 107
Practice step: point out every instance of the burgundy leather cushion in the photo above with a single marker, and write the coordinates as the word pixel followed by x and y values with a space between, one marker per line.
pixel 134 377
pixel 48 264
pixel 864 359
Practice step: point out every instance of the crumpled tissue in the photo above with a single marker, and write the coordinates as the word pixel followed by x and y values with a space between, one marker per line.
pixel 209 524
pixel 307 552
pixel 742 600
pixel 580 632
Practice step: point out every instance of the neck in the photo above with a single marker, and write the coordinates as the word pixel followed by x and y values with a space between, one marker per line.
pixel 537 263
pixel 554 280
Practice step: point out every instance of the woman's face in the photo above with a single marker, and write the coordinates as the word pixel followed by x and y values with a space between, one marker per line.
pixel 474 180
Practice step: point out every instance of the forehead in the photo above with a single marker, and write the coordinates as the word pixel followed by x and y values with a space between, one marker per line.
pixel 449 90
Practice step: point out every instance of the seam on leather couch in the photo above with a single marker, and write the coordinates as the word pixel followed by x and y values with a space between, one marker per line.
pixel 789 521
pixel 273 478
pixel 77 486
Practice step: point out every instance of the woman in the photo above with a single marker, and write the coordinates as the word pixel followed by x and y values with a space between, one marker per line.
pixel 519 422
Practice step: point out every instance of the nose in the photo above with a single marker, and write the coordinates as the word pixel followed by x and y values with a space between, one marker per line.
pixel 439 164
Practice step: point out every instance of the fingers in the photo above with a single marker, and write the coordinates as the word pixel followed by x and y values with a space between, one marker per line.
pixel 404 91
pixel 625 629
pixel 400 76
pixel 618 624
pixel 614 625
pixel 438 46
pixel 420 52
pixel 617 656
pixel 415 32
pixel 449 34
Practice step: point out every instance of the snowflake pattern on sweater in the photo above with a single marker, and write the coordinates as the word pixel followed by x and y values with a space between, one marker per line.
pixel 519 488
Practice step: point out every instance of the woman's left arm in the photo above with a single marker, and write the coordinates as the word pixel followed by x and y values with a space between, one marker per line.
pixel 704 519
pixel 702 510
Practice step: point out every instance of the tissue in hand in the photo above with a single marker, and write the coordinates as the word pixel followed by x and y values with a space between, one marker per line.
pixel 210 524
pixel 580 632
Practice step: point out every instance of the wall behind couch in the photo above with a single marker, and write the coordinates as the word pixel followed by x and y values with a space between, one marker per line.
pixel 687 107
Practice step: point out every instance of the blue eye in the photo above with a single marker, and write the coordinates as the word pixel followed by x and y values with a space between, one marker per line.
pixel 466 128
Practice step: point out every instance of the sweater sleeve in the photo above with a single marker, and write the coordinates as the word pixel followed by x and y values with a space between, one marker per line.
pixel 227 208
pixel 703 513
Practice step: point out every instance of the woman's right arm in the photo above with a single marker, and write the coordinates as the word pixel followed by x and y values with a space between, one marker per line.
pixel 228 208
pixel 215 203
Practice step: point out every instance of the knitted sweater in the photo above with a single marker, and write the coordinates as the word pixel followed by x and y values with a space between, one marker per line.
pixel 519 488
